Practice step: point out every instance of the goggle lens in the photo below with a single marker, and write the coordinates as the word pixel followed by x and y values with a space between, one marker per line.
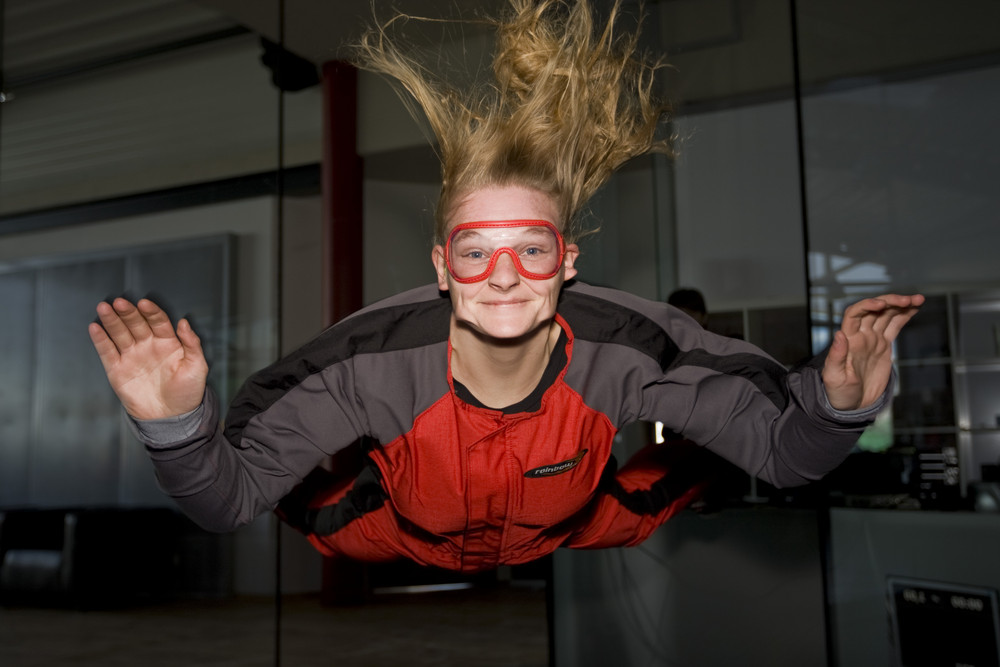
pixel 473 249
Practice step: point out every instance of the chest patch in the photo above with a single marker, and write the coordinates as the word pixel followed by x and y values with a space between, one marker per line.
pixel 556 468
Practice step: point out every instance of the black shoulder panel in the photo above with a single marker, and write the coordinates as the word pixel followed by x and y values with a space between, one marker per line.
pixel 397 326
pixel 594 316
pixel 599 320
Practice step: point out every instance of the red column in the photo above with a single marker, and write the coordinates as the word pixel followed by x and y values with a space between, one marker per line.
pixel 344 582
pixel 341 176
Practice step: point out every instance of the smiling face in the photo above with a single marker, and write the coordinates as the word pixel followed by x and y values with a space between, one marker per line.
pixel 505 304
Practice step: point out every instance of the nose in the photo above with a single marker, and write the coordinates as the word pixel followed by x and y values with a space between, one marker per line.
pixel 504 274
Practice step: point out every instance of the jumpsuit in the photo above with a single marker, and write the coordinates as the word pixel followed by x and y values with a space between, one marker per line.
pixel 454 484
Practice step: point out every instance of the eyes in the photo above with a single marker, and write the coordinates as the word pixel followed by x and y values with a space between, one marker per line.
pixel 531 253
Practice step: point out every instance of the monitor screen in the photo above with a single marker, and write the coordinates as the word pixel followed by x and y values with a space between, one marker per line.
pixel 936 624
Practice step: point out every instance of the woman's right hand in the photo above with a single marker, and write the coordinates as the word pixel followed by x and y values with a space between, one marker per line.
pixel 155 371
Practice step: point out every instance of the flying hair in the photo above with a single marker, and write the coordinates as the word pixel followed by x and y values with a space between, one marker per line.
pixel 570 101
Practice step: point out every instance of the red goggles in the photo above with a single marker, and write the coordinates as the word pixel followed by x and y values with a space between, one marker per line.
pixel 535 246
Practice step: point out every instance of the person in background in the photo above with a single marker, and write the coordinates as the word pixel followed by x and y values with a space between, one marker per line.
pixel 692 302
pixel 490 398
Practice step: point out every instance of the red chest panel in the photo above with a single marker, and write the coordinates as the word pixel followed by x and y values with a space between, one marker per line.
pixel 495 486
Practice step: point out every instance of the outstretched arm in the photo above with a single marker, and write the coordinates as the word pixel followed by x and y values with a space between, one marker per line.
pixel 155 371
pixel 859 363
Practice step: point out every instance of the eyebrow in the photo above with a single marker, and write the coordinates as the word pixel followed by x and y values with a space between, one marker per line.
pixel 535 230
pixel 465 233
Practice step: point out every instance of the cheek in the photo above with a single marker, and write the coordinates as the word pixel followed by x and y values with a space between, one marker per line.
pixel 554 289
pixel 460 294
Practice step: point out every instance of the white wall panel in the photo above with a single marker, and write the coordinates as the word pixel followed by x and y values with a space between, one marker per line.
pixel 897 168
pixel 739 221
pixel 193 116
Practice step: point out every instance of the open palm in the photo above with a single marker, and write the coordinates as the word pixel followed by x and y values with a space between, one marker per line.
pixel 859 363
pixel 155 371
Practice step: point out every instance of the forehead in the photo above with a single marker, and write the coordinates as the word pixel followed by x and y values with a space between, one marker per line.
pixel 504 203
pixel 499 232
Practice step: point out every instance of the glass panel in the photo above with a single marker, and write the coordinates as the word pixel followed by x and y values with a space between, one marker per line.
pixel 739 230
pixel 75 444
pixel 731 323
pixel 978 325
pixel 924 397
pixel 900 167
pixel 726 219
pixel 138 152
pixel 927 336
pixel 17 383
pixel 783 332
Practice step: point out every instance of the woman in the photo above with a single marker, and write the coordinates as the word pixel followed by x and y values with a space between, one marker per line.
pixel 492 398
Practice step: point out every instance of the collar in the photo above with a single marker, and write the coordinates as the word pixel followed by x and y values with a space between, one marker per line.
pixel 533 401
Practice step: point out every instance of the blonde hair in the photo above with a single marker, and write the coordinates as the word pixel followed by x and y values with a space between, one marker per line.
pixel 571 101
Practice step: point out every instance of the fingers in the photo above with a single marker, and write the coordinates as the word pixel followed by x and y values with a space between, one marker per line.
pixel 126 324
pixel 110 336
pixel 860 315
pixel 134 319
pixel 902 310
pixel 106 350
pixel 155 319
pixel 898 310
pixel 122 322
pixel 885 315
pixel 895 324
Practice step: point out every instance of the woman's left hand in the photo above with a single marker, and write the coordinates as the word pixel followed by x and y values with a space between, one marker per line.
pixel 859 362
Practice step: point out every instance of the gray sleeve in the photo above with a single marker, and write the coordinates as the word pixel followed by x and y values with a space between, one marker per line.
pixel 362 377
pixel 645 361
pixel 219 485
pixel 785 433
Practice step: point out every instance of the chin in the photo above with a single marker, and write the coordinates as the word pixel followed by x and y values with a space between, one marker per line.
pixel 504 328
pixel 504 331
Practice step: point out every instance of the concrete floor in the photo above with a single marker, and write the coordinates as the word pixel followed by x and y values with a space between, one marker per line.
pixel 501 626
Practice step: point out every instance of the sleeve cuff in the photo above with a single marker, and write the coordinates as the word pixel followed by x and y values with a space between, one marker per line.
pixel 167 431
pixel 867 414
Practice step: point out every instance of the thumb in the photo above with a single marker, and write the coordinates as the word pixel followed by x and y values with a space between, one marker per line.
pixel 836 357
pixel 189 339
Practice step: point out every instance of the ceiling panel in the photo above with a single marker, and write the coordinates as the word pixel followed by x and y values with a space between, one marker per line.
pixel 319 29
pixel 43 38
pixel 184 116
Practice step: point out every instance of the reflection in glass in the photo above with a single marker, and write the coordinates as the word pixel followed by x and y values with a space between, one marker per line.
pixel 900 165
pixel 138 144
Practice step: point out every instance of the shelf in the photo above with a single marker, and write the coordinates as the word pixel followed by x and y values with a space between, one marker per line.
pixel 925 430
pixel 982 365
pixel 927 361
